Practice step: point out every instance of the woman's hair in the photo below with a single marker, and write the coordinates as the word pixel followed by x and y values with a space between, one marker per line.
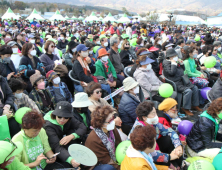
pixel 71 45
pixel 123 44
pixel 91 87
pixel 156 41
pixel 143 137
pixel 53 117
pixel 46 46
pixel 25 48
pixel 139 40
pixel 215 107
pixel 99 115
pixel 5 49
pixel 164 46
pixel 188 52
pixel 143 109
pixel 17 84
pixel 32 120
pixel 140 57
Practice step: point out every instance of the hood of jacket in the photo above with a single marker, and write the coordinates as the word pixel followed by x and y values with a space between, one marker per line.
pixel 53 121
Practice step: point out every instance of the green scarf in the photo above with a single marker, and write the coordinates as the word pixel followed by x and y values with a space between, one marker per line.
pixel 192 65
pixel 205 114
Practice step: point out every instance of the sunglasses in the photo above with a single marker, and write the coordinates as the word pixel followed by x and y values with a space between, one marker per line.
pixel 52 46
pixel 127 44
pixel 63 117
pixel 10 141
pixel 99 91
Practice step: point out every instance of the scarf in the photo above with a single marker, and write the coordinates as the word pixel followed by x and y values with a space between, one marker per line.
pixel 106 65
pixel 192 64
pixel 84 66
pixel 149 159
pixel 109 142
pixel 61 87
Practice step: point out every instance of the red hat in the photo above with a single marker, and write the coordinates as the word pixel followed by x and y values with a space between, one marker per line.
pixel 50 75
pixel 102 52
pixel 152 49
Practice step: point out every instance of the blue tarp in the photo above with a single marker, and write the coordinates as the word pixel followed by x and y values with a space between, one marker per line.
pixel 187 23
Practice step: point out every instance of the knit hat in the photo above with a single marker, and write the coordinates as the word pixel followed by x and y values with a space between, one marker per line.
pixel 167 104
pixel 102 52
pixel 50 75
pixel 129 83
pixel 36 77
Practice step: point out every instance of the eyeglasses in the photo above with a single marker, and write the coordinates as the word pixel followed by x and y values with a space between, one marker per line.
pixel 99 91
pixel 127 44
pixel 10 141
pixel 52 46
pixel 63 117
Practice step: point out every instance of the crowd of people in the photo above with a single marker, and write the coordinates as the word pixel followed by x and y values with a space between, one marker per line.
pixel 63 71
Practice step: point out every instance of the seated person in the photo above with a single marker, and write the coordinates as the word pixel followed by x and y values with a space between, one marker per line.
pixel 62 42
pixel 70 53
pixel 105 68
pixel 215 54
pixel 201 139
pixel 8 160
pixel 138 155
pixel 216 90
pixel 167 139
pixel 21 99
pixel 7 68
pixel 36 149
pixel 126 57
pixel 173 69
pixel 16 55
pixel 40 95
pixel 57 88
pixel 81 111
pixel 104 138
pixel 146 77
pixel 83 69
pixel 128 104
pixel 61 122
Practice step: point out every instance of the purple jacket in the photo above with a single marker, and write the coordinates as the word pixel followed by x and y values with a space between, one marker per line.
pixel 48 62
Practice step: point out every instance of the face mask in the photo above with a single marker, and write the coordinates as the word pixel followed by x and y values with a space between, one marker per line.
pixel 33 52
pixel 41 86
pixel 141 44
pixel 74 50
pixel 136 90
pixel 152 121
pixel 32 41
pixel 8 37
pixel 91 52
pixel 119 46
pixel 172 115
pixel 7 59
pixel 56 80
pixel 159 42
pixel 175 58
pixel 18 95
pixel 67 35
pixel 110 126
pixel 149 67
pixel 195 56
pixel 219 49
pixel 61 38
pixel 84 53
pixel 15 50
pixel 76 35
pixel 98 42
pixel 106 44
pixel 105 58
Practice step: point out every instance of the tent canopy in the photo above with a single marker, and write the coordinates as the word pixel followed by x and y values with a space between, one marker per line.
pixel 80 18
pixel 74 18
pixel 92 18
pixel 66 17
pixel 9 14
pixel 124 19
pixel 35 14
pixel 57 16
pixel 109 17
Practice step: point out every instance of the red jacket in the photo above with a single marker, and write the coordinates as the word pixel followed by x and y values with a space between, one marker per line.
pixel 165 120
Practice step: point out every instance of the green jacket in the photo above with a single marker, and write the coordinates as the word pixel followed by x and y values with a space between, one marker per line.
pixel 17 165
pixel 188 70
pixel 100 71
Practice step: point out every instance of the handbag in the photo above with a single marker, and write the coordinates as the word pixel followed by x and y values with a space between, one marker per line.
pixel 185 79
pixel 101 80
pixel 200 82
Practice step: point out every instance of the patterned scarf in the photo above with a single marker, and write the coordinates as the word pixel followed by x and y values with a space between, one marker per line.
pixel 109 142
pixel 85 66
pixel 105 64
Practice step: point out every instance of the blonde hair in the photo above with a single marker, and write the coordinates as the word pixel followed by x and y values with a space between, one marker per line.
pixel 123 44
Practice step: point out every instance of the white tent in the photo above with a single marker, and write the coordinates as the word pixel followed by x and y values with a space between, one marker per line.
pixel 80 18
pixel 124 19
pixel 57 16
pixel 9 14
pixel 92 18
pixel 35 15
pixel 139 18
pixel 100 18
pixel 66 17
pixel 109 17
pixel 74 18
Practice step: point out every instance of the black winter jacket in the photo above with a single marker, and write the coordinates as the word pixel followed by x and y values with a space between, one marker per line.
pixel 175 73
pixel 202 134
pixel 125 58
pixel 216 90
pixel 55 134
pixel 79 118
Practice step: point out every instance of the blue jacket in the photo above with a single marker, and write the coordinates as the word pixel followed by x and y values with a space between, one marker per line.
pixel 127 109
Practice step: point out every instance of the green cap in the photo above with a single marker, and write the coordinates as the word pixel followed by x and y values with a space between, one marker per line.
pixel 115 35
pixel 124 36
pixel 53 40
pixel 6 148
pixel 134 36
pixel 102 36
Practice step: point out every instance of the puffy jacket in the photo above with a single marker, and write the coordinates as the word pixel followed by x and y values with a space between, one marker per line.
pixel 164 119
pixel 202 134
pixel 127 108
pixel 216 90
pixel 126 58
pixel 174 73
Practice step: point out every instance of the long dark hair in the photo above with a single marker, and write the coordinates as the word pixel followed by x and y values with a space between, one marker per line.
pixel 188 51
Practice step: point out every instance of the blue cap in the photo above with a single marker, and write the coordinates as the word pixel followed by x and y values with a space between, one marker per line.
pixel 147 61
pixel 31 36
pixel 81 47
pixel 145 52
